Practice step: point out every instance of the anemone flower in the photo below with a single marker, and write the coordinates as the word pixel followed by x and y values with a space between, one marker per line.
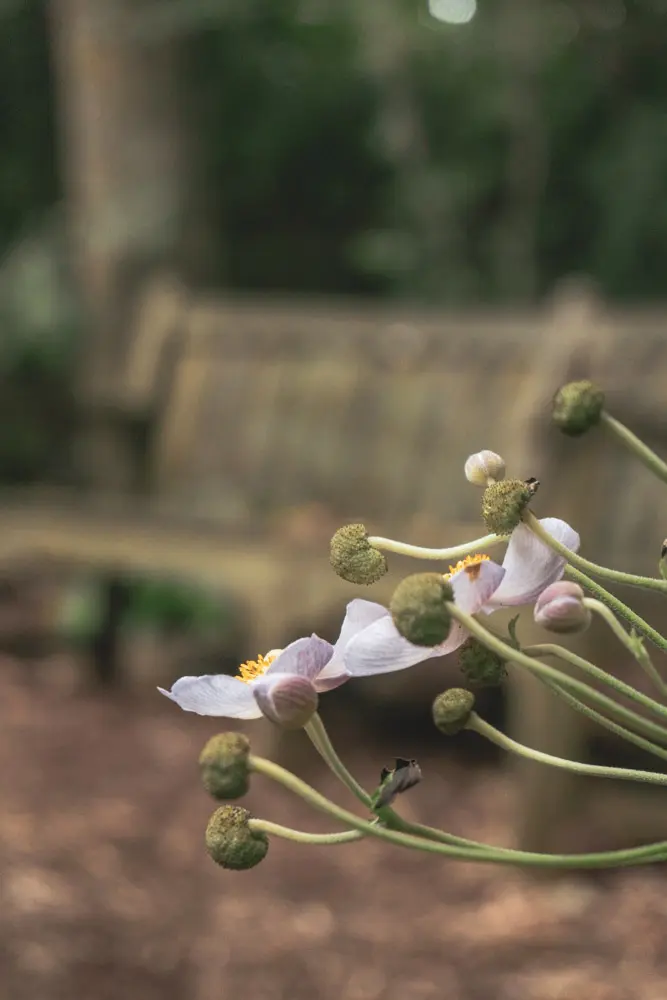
pixel 479 584
pixel 281 680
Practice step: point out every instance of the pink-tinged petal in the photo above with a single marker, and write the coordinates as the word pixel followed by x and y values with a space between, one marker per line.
pixel 474 585
pixel 358 616
pixel 214 694
pixel 286 699
pixel 531 565
pixel 303 658
pixel 380 649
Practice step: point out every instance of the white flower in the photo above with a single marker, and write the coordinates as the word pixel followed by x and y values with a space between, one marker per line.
pixel 479 584
pixel 281 678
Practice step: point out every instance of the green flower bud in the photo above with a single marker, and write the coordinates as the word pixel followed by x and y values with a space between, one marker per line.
pixel 224 766
pixel 481 665
pixel 577 407
pixel 419 608
pixel 230 841
pixel 452 709
pixel 504 503
pixel 354 558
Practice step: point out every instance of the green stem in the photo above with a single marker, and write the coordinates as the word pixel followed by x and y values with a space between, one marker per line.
pixel 602 720
pixel 319 737
pixel 511 654
pixel 483 728
pixel 301 836
pixel 618 606
pixel 606 859
pixel 574 559
pixel 419 552
pixel 635 445
pixel 551 649
pixel 632 644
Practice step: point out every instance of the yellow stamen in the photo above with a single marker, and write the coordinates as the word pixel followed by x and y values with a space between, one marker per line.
pixel 252 669
pixel 470 563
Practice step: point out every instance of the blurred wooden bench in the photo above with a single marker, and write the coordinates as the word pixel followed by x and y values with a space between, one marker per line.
pixel 264 425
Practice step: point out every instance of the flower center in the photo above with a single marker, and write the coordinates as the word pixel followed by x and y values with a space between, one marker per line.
pixel 470 564
pixel 252 669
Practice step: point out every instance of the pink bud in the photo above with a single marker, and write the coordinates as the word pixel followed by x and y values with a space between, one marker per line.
pixel 286 699
pixel 561 608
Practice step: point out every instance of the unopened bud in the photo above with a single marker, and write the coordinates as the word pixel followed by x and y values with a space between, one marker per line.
pixel 419 608
pixel 224 766
pixel 577 407
pixel 480 665
pixel 289 701
pixel 484 468
pixel 230 841
pixel 394 781
pixel 560 608
pixel 504 503
pixel 452 709
pixel 354 558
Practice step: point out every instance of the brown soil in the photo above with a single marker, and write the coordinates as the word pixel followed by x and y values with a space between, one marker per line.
pixel 106 890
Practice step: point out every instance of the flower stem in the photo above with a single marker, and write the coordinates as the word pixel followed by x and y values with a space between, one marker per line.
pixel 551 649
pixel 419 552
pixel 513 655
pixel 618 606
pixel 574 559
pixel 631 643
pixel 635 445
pixel 483 728
pixel 602 720
pixel 605 859
pixel 301 836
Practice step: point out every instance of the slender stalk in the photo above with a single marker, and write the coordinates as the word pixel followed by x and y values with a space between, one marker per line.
pixel 574 559
pixel 551 649
pixel 605 859
pixel 631 643
pixel 634 444
pixel 483 728
pixel 602 720
pixel 301 836
pixel 419 552
pixel 621 609
pixel 511 654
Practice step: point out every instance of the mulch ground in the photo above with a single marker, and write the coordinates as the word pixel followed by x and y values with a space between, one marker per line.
pixel 106 890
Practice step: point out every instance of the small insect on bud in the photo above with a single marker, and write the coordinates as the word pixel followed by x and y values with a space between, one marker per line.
pixel 230 841
pixel 484 468
pixel 481 666
pixel 394 781
pixel 577 407
pixel 224 766
pixel 452 709
pixel 354 558
pixel 289 701
pixel 560 608
pixel 419 608
pixel 504 503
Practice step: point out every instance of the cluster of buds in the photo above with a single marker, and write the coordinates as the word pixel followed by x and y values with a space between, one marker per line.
pixel 429 615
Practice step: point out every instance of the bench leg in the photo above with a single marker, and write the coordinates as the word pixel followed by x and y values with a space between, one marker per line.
pixel 106 646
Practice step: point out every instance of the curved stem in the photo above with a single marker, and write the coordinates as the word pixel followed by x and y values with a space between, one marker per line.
pixel 606 859
pixel 419 552
pixel 574 559
pixel 621 609
pixel 631 643
pixel 552 649
pixel 602 720
pixel 634 444
pixel 483 728
pixel 301 836
pixel 513 655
